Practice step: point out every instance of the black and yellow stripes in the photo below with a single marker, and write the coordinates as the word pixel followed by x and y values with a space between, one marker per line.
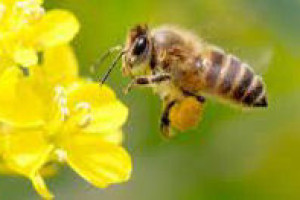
pixel 255 95
pixel 230 71
pixel 243 83
pixel 214 66
pixel 228 77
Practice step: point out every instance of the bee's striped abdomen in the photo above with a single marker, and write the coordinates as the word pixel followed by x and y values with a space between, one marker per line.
pixel 214 67
pixel 243 83
pixel 255 95
pixel 230 71
pixel 230 78
pixel 249 88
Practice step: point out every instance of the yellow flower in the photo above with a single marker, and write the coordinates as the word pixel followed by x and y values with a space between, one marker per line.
pixel 53 115
pixel 26 29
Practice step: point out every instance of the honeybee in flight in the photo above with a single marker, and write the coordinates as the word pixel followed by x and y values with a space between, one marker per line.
pixel 182 69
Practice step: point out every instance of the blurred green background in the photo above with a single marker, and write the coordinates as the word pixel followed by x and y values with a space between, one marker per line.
pixel 232 154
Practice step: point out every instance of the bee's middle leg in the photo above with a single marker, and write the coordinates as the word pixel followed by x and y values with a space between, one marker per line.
pixel 200 98
pixel 147 81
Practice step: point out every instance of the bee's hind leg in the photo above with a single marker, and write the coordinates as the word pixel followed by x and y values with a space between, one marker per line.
pixel 165 124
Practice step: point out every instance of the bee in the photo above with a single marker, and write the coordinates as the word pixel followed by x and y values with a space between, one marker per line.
pixel 183 70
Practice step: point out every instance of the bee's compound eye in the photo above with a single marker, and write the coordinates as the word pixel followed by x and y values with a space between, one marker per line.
pixel 140 46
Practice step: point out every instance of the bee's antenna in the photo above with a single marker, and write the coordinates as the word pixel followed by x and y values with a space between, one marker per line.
pixel 103 57
pixel 114 63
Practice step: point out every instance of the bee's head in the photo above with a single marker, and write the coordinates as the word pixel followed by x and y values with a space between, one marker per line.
pixel 138 50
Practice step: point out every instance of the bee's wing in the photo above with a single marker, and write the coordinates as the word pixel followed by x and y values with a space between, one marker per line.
pixel 258 58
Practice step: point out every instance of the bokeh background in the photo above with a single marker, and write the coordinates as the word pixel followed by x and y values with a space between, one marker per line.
pixel 232 154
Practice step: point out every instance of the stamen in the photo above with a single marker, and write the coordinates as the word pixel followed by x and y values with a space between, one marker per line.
pixel 61 155
pixel 21 4
pixel 60 97
pixel 83 105
pixel 29 10
pixel 2 10
pixel 85 121
pixel 87 118
pixel 41 11
pixel 65 113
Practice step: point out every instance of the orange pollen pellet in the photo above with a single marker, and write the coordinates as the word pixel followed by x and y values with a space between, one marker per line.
pixel 186 114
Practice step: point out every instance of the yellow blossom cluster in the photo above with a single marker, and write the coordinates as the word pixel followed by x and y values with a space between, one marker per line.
pixel 51 114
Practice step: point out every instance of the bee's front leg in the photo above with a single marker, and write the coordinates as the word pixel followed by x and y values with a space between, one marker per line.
pixel 146 81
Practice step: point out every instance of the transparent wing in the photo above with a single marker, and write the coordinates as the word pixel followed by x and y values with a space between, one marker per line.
pixel 259 58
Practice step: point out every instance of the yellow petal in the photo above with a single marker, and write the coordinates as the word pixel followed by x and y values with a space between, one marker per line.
pixel 5 170
pixel 1 144
pixel 107 117
pixel 60 65
pixel 20 104
pixel 55 28
pixel 107 112
pixel 100 163
pixel 40 186
pixel 90 92
pixel 46 171
pixel 26 151
pixel 26 57
pixel 113 136
pixel 5 63
pixel 7 2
